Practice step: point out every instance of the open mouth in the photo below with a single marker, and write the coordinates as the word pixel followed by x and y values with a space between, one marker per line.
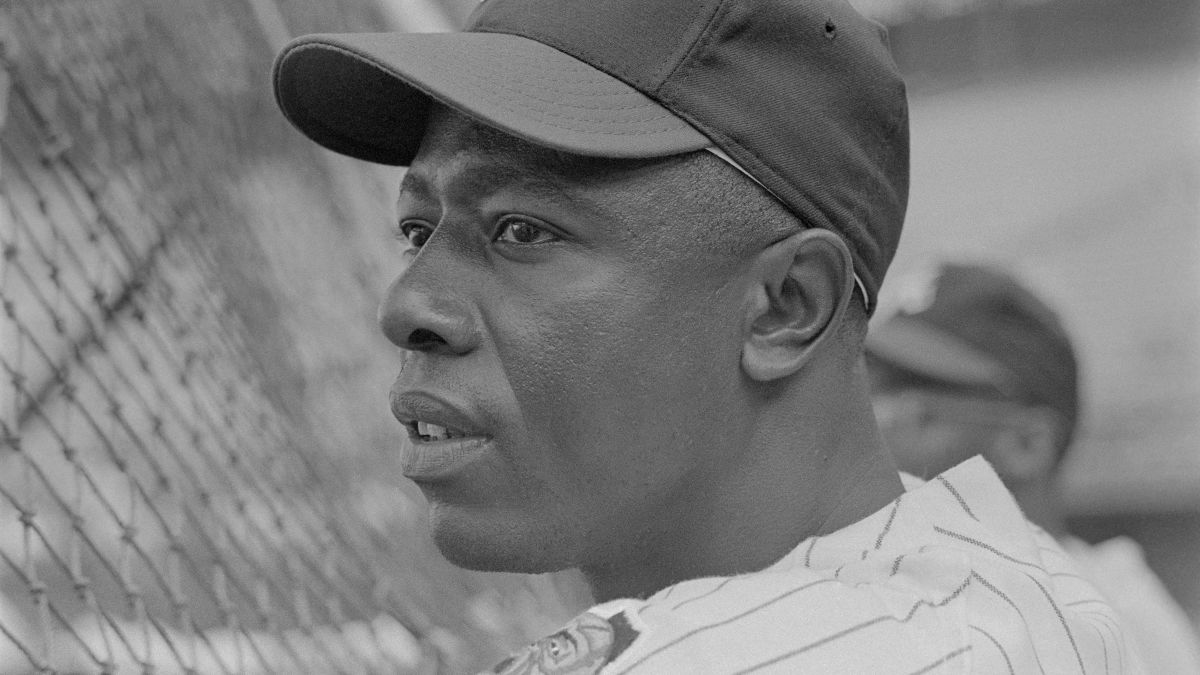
pixel 427 431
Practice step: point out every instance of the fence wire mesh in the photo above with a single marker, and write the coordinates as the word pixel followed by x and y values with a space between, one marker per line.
pixel 158 512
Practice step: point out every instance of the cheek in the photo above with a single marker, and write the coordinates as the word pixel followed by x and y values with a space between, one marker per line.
pixel 602 371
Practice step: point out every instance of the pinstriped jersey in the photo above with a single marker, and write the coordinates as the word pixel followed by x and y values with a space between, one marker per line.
pixel 948 578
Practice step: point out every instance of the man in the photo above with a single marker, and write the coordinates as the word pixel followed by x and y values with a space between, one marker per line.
pixel 975 363
pixel 643 240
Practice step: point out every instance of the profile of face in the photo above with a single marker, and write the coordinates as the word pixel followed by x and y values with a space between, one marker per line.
pixel 931 427
pixel 930 432
pixel 570 349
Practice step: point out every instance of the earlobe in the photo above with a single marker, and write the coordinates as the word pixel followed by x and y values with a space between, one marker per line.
pixel 799 295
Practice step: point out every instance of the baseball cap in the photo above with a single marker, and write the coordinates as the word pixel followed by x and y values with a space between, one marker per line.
pixel 977 326
pixel 801 95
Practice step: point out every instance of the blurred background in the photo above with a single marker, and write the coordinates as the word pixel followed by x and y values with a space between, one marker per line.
pixel 198 466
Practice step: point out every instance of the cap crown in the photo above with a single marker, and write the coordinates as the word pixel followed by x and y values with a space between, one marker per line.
pixel 803 94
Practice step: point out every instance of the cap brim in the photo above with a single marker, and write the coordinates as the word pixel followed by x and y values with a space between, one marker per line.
pixel 367 95
pixel 924 350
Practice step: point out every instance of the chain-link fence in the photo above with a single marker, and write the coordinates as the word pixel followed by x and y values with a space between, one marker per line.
pixel 164 504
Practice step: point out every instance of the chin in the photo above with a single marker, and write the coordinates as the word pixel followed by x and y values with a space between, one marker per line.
pixel 498 540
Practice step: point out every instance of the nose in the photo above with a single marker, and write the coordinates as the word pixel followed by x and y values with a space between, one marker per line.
pixel 420 313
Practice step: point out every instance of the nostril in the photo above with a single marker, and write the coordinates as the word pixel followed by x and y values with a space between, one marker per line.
pixel 423 338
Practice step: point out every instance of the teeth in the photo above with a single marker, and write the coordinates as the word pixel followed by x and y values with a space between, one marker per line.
pixel 432 432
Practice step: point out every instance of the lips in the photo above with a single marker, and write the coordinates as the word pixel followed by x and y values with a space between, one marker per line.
pixel 444 439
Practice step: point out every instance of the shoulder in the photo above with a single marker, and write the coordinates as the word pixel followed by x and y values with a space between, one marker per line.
pixel 949 578
pixel 1161 632
pixel 794 621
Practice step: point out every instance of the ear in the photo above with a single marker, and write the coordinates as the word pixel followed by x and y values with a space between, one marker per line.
pixel 800 289
pixel 1027 450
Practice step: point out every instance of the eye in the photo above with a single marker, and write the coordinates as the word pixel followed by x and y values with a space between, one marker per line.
pixel 415 232
pixel 524 230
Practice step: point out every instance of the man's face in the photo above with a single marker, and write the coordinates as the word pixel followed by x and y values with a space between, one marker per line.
pixel 929 428
pixel 580 345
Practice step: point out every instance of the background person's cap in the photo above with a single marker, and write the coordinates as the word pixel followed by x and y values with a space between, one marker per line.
pixel 977 326
pixel 802 95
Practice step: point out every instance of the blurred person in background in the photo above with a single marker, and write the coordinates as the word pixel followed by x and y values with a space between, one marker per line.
pixel 639 236
pixel 973 363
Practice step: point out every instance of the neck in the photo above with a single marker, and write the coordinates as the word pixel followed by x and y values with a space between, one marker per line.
pixel 782 477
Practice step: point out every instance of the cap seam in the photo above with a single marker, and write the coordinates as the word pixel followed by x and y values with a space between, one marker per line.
pixel 701 35
pixel 701 41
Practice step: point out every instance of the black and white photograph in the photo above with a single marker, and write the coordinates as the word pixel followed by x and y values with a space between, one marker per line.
pixel 600 337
